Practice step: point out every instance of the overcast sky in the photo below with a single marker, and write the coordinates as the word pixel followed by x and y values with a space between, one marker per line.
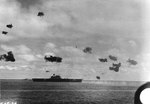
pixel 110 27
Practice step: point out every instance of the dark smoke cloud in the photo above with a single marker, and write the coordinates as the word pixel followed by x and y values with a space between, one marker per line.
pixel 115 67
pixel 40 14
pixel 132 62
pixel 97 77
pixel 7 57
pixel 9 26
pixel 113 58
pixel 4 32
pixel 47 71
pixel 87 50
pixel 102 60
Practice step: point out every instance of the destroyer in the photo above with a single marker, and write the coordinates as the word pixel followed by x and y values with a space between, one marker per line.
pixel 55 78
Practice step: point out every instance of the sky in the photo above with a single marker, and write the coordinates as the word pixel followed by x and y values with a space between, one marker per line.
pixel 109 27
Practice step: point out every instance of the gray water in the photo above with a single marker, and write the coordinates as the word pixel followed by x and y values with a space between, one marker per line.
pixel 28 92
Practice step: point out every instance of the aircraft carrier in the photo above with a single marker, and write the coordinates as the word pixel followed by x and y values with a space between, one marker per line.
pixel 55 78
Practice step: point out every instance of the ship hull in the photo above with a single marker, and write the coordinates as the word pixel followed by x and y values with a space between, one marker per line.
pixel 55 80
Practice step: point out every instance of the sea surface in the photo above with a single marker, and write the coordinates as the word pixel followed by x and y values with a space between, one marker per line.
pixel 28 92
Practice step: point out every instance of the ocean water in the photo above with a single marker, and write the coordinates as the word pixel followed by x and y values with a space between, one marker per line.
pixel 28 92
